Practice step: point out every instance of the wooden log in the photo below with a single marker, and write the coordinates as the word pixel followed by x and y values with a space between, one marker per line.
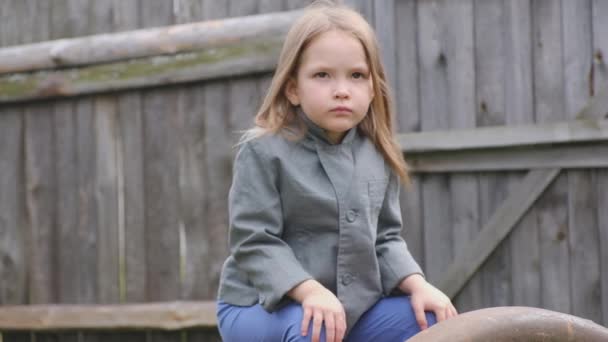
pixel 162 316
pixel 104 48
pixel 238 59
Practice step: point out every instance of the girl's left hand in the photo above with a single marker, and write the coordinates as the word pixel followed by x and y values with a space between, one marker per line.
pixel 426 297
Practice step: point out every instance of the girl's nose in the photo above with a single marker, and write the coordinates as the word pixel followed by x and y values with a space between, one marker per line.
pixel 341 92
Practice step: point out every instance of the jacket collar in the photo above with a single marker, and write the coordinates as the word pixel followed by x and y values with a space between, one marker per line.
pixel 318 134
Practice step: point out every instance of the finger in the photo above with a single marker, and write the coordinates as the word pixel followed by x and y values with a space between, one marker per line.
pixel 420 316
pixel 340 327
pixel 453 311
pixel 317 322
pixel 330 328
pixel 305 321
pixel 440 313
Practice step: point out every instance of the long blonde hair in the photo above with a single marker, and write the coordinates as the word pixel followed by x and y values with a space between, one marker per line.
pixel 276 112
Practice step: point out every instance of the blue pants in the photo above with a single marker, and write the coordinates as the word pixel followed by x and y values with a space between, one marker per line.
pixel 390 319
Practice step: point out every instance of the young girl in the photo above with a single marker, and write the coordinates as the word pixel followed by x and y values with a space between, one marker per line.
pixel 316 251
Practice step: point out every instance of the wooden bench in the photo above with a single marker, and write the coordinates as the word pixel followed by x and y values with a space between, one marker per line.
pixel 26 321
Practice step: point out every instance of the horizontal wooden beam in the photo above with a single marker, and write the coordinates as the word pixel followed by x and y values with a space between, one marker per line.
pixel 567 156
pixel 237 60
pixel 498 227
pixel 162 316
pixel 582 130
pixel 105 48
pixel 144 58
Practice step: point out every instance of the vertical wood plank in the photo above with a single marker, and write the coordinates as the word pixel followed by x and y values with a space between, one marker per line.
pixel 490 109
pixel 434 97
pixel 519 109
pixel 194 246
pixel 160 176
pixel 583 237
pixel 384 22
pixel 552 206
pixel 132 249
pixel 218 159
pixel 13 250
pixel 12 239
pixel 600 77
pixel 161 172
pixel 408 119
pixel 107 173
pixel 459 54
pixel 76 238
pixel 41 197
pixel 83 270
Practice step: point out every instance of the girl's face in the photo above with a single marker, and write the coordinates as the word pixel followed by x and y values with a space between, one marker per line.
pixel 333 83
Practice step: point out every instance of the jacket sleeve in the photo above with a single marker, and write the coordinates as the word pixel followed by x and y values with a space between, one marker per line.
pixel 256 226
pixel 394 258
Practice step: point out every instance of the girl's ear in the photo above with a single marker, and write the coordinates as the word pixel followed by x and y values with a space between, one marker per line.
pixel 291 92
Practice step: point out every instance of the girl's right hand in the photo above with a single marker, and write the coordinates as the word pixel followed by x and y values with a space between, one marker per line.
pixel 321 306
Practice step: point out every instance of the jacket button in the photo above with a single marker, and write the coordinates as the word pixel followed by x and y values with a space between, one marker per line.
pixel 351 216
pixel 347 278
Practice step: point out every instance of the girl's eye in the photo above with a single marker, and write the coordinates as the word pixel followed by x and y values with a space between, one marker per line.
pixel 321 74
pixel 358 75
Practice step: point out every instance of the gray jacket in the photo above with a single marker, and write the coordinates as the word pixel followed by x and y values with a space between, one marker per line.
pixel 309 209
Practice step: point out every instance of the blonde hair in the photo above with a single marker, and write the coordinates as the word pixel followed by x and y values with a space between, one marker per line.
pixel 276 112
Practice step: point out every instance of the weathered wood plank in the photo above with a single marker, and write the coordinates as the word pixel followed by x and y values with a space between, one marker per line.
pixel 552 206
pixel 575 156
pixel 506 136
pixel 142 73
pixel 161 316
pixel 12 239
pixel 149 42
pixel 408 119
pixel 434 109
pixel 190 120
pixel 498 226
pixel 41 200
pixel 161 178
pixel 218 161
pixel 108 202
pixel 131 222
pixel 583 231
pixel 519 110
pixel 76 226
pixel 84 239
pixel 602 222
pixel 600 81
pixel 460 57
pixel 384 25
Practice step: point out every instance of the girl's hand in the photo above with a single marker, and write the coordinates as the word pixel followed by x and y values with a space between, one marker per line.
pixel 320 305
pixel 426 297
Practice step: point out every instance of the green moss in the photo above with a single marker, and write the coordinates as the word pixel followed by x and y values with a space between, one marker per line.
pixel 149 67
pixel 11 87
pixel 26 86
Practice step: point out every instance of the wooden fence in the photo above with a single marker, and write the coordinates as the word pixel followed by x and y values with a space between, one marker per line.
pixel 114 168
